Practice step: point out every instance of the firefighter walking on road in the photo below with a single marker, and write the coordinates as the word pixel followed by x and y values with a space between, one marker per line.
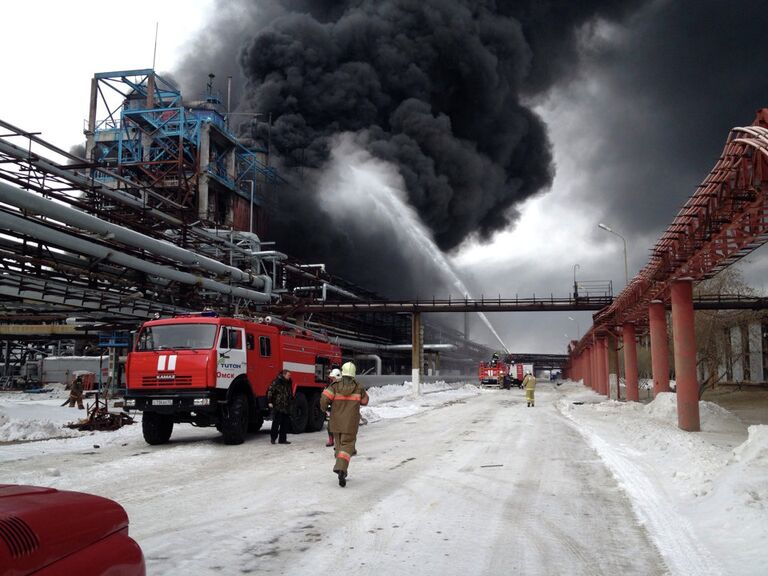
pixel 76 393
pixel 345 397
pixel 529 383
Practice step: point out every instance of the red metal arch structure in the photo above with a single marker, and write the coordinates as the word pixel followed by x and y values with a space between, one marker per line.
pixel 723 221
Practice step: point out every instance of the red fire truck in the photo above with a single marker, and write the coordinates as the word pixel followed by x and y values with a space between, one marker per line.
pixel 492 373
pixel 215 371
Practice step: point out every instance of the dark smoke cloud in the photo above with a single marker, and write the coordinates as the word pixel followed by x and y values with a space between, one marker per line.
pixel 671 85
pixel 437 88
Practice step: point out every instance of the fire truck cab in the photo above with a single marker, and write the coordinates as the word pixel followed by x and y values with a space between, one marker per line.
pixel 492 373
pixel 215 371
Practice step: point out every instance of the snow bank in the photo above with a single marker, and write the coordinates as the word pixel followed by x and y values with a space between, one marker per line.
pixel 701 494
pixel 713 418
pixel 755 450
pixel 26 416
pixel 398 401
pixel 16 430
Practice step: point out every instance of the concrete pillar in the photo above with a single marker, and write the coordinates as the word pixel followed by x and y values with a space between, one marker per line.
pixel 657 318
pixel 685 356
pixel 604 367
pixel 630 362
pixel 596 365
pixel 613 364
pixel 416 347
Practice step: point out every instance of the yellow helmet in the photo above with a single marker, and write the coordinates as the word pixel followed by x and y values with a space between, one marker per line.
pixel 348 369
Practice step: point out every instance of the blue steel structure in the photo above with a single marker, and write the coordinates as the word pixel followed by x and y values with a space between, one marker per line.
pixel 182 155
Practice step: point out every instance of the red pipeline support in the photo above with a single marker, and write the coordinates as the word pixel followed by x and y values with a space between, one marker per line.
pixel 585 356
pixel 593 366
pixel 630 362
pixel 657 318
pixel 685 356
pixel 601 357
pixel 605 367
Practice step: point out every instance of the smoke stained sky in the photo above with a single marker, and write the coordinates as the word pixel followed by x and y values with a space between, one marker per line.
pixel 634 98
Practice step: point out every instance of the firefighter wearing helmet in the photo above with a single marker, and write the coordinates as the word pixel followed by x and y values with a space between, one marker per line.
pixel 529 383
pixel 344 397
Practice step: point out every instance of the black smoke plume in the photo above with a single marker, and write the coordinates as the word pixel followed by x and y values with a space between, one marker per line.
pixel 437 88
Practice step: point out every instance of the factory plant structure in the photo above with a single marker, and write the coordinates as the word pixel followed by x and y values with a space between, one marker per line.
pixel 163 214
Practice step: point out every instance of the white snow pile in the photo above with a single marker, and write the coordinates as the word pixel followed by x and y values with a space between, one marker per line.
pixel 713 418
pixel 398 401
pixel 703 495
pixel 22 429
pixel 26 416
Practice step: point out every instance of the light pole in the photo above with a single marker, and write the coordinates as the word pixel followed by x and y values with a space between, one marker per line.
pixel 578 330
pixel 612 231
pixel 250 219
pixel 575 286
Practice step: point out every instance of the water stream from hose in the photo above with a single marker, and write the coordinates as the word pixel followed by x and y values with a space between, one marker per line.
pixel 366 184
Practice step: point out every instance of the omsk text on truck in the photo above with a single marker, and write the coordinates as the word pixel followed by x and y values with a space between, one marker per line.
pixel 208 370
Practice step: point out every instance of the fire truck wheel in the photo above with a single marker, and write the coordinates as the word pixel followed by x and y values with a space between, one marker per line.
pixel 234 422
pixel 255 421
pixel 157 428
pixel 316 415
pixel 299 413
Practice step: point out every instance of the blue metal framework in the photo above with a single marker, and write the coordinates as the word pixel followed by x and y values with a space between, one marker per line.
pixel 140 128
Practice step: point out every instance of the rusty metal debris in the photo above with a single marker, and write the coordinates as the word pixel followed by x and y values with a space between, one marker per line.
pixel 100 418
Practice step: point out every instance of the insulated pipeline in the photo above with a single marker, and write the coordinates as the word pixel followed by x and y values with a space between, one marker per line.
pixel 61 239
pixel 73 217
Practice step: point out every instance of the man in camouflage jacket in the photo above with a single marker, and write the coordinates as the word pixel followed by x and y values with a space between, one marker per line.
pixel 345 397
pixel 280 398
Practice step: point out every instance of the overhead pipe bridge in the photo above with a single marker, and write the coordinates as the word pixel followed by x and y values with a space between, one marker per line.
pixel 723 221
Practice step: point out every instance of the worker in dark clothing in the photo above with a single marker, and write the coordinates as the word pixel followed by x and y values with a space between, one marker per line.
pixel 76 393
pixel 345 398
pixel 280 399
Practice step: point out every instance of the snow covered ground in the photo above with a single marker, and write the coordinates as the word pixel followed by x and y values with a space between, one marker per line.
pixel 457 481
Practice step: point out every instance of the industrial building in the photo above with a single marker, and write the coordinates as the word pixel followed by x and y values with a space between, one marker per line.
pixel 165 214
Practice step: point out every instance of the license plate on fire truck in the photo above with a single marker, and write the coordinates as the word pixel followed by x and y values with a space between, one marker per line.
pixel 162 402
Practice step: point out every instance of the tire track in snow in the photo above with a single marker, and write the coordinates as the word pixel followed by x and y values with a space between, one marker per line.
pixel 672 534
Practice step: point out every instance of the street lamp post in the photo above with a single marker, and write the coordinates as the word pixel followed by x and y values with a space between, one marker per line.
pixel 624 240
pixel 578 330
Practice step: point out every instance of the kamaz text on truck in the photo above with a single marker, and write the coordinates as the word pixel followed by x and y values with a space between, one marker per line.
pixel 215 371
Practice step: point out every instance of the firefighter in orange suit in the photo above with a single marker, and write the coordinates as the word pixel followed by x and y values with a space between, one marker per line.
pixel 76 393
pixel 345 397
pixel 529 383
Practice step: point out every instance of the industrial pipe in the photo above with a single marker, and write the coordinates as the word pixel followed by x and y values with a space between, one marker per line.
pixel 73 217
pixel 49 235
pixel 375 357
pixel 113 194
pixel 331 287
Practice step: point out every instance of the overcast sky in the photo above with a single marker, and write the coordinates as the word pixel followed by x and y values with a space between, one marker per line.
pixel 636 105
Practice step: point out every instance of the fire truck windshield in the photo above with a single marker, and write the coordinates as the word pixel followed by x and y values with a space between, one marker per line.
pixel 177 337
